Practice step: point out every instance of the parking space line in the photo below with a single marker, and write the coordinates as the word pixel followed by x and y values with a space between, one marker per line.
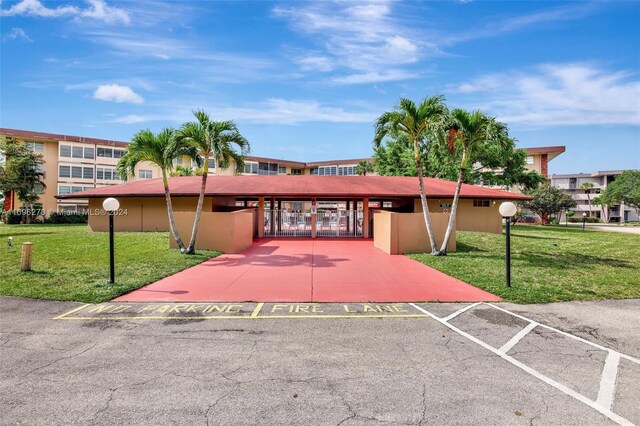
pixel 562 388
pixel 73 311
pixel 515 339
pixel 257 310
pixel 564 333
pixel 608 382
pixel 456 313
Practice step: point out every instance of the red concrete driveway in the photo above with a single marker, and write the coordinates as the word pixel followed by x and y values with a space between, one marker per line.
pixel 276 270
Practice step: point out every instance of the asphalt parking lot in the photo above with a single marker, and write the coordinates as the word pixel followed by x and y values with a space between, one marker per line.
pixel 567 363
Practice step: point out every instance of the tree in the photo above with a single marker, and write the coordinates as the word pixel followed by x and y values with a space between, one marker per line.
pixel 159 149
pixel 212 139
pixel 604 208
pixel 183 171
pixel 418 124
pixel 587 190
pixel 624 189
pixel 473 131
pixel 21 172
pixel 364 167
pixel 548 200
pixel 492 165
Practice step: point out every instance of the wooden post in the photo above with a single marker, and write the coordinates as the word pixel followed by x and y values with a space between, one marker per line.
pixel 25 264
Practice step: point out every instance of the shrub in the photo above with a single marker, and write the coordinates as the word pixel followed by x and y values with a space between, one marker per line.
pixel 587 219
pixel 67 217
pixel 11 217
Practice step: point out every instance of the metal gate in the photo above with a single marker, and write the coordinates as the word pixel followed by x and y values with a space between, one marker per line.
pixel 328 223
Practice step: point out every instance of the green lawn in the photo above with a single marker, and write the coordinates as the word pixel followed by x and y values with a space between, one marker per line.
pixel 548 264
pixel 70 263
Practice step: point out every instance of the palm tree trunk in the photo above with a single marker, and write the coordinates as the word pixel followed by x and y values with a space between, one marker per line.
pixel 423 198
pixel 452 213
pixel 172 220
pixel 196 222
pixel 589 199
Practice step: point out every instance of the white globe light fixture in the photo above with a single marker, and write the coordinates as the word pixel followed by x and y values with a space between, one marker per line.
pixel 111 204
pixel 508 209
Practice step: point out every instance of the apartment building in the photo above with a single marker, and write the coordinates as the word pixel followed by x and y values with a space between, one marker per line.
pixel 538 158
pixel 73 164
pixel 273 166
pixel 572 184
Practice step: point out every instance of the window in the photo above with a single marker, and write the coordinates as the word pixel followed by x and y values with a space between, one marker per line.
pixel 76 172
pixel 529 159
pixel 77 152
pixel 106 173
pixel 63 190
pixel 65 151
pixel 105 152
pixel 282 170
pixel 296 171
pixel 118 153
pixel 64 171
pixel 313 171
pixel 145 174
pixel 347 170
pixel 328 170
pixel 481 203
pixel 251 168
pixel 89 153
pixel 87 173
pixel 76 189
pixel 212 163
pixel 35 146
pixel 38 188
pixel 179 161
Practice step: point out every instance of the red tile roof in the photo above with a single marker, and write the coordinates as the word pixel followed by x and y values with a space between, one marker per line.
pixel 297 186
pixel 53 136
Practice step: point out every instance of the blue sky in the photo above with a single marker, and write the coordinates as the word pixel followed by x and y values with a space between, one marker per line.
pixel 306 80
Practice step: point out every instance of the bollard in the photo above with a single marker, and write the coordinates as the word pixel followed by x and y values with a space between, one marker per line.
pixel 25 264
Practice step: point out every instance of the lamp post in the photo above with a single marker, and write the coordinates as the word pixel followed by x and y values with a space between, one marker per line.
pixel 111 205
pixel 584 220
pixel 507 211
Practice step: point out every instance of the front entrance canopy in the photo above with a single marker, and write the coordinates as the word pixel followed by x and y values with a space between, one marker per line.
pixel 306 186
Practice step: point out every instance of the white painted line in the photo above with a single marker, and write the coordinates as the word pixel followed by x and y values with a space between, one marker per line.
pixel 562 388
pixel 608 382
pixel 564 333
pixel 515 339
pixel 456 313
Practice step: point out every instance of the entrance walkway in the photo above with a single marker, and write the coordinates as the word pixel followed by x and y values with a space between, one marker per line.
pixel 276 270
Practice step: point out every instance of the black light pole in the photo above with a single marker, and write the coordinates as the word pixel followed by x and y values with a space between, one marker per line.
pixel 111 205
pixel 508 210
pixel 584 220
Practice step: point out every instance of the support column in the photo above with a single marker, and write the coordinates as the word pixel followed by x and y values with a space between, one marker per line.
pixel 365 217
pixel 272 216
pixel 314 217
pixel 260 217
pixel 279 216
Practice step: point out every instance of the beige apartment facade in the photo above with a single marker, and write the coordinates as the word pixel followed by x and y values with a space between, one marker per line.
pixel 73 164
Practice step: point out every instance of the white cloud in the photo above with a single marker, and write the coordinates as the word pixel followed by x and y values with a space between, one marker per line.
pixel 560 94
pixel 117 93
pixel 97 9
pixel 374 77
pixel 272 111
pixel 363 38
pixel 15 34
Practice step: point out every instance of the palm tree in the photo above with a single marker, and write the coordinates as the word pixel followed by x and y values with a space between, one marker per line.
pixel 417 123
pixel 587 190
pixel 183 171
pixel 364 167
pixel 159 149
pixel 473 131
pixel 212 139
